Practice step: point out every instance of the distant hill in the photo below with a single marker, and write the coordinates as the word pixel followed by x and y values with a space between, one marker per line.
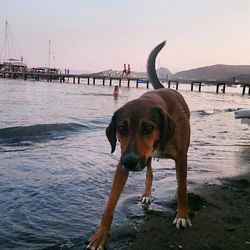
pixel 164 73
pixel 217 72
pixel 214 72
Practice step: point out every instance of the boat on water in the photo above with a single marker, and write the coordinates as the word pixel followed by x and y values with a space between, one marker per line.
pixel 10 60
pixel 45 70
pixel 143 81
pixel 242 113
pixel 13 65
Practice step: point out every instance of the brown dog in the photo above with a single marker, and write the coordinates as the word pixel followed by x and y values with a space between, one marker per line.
pixel 155 124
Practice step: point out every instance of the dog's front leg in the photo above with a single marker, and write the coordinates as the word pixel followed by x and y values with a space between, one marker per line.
pixel 98 240
pixel 146 197
pixel 182 218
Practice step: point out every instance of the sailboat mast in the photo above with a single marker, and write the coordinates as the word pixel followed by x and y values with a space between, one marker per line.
pixel 49 54
pixel 5 45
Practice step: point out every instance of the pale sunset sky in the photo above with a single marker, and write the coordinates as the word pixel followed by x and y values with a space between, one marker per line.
pixel 98 35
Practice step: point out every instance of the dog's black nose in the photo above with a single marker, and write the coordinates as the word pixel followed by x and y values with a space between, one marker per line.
pixel 130 161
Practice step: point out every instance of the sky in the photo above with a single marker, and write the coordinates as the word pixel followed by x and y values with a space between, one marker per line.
pixel 97 35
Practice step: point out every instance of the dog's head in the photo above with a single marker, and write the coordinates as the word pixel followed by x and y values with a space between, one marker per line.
pixel 141 128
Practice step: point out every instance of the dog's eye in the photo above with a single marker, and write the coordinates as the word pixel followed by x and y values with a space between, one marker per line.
pixel 147 129
pixel 123 130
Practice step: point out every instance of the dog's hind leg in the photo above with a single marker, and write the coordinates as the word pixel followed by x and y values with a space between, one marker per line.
pixel 146 197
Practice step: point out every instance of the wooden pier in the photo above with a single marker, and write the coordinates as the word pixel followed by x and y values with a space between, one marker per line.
pixel 217 83
pixel 93 78
pixel 76 78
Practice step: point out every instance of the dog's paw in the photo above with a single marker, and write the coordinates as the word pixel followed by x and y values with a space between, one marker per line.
pixel 98 240
pixel 182 222
pixel 88 247
pixel 91 246
pixel 146 200
pixel 94 248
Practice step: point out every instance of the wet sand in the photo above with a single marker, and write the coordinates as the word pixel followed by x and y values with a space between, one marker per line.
pixel 220 215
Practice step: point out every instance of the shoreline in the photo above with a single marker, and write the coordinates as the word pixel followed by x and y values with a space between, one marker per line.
pixel 219 214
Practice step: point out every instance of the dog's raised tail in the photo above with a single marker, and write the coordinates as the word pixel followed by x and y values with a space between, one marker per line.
pixel 152 75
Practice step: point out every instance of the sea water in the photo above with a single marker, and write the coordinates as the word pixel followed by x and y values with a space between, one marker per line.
pixel 56 169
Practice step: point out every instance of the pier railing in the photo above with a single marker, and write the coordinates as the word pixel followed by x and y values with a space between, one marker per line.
pixel 92 78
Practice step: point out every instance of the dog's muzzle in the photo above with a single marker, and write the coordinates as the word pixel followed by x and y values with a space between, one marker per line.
pixel 132 162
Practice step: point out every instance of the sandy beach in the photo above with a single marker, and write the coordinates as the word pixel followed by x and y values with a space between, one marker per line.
pixel 220 217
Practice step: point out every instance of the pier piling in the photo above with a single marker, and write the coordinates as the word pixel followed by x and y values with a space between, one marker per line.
pixel 174 82
pixel 244 88
pixel 223 88
pixel 195 83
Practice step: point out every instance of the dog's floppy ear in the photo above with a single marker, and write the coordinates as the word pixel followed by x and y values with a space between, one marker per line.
pixel 167 128
pixel 111 132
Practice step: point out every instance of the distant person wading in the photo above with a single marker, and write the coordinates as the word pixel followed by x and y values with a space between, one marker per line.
pixel 116 91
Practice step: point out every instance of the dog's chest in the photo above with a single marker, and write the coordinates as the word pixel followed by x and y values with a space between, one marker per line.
pixel 160 154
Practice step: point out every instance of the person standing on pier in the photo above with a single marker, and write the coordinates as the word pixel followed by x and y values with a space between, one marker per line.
pixel 129 70
pixel 124 69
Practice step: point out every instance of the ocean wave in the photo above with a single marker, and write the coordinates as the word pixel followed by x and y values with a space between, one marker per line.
pixel 93 94
pixel 40 132
pixel 208 112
